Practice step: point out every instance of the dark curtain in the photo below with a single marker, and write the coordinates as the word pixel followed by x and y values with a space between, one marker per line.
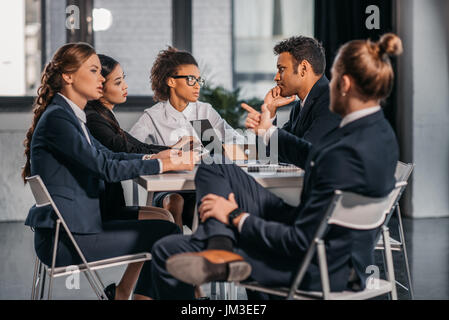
pixel 339 21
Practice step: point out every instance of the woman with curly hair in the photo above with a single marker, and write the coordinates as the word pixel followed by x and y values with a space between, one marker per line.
pixel 176 82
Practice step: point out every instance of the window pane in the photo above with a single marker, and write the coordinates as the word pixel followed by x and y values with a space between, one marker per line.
pixel 258 26
pixel 20 56
pixel 133 32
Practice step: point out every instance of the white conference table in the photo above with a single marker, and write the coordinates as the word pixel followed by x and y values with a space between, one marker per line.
pixel 286 185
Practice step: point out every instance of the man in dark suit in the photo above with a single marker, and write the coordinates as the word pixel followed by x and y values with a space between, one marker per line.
pixel 247 231
pixel 301 65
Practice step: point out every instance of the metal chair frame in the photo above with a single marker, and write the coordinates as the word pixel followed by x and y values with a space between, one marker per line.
pixel 89 269
pixel 386 207
pixel 403 172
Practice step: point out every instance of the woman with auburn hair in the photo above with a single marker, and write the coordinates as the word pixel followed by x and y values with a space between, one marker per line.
pixel 74 165
pixel 103 125
pixel 176 83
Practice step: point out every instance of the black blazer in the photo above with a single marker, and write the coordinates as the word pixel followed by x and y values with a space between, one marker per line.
pixel 360 157
pixel 112 201
pixel 110 137
pixel 315 119
pixel 73 170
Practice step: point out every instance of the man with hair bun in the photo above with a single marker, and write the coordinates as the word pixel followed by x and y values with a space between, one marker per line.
pixel 268 238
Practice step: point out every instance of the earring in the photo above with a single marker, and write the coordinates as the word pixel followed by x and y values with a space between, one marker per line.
pixel 343 94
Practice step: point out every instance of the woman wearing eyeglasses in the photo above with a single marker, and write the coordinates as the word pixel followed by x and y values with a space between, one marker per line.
pixel 176 82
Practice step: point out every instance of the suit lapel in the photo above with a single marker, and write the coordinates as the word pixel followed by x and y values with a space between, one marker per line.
pixel 317 90
pixel 60 101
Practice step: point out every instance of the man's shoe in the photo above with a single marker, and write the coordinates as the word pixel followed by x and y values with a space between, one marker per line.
pixel 110 291
pixel 197 268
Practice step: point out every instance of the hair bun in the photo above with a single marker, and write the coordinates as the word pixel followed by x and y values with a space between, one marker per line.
pixel 390 44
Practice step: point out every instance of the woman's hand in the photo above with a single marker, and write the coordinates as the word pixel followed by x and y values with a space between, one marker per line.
pixel 213 206
pixel 167 154
pixel 185 161
pixel 186 140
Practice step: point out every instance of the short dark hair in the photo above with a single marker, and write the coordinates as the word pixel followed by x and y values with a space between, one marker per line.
pixel 165 66
pixel 304 48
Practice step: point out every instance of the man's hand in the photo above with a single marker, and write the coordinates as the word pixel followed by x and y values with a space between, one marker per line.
pixel 274 100
pixel 184 162
pixel 213 206
pixel 259 122
pixel 253 118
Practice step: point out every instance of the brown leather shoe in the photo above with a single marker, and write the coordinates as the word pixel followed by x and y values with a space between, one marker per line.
pixel 197 268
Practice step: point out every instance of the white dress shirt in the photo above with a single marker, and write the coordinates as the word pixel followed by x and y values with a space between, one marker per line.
pixel 162 124
pixel 358 114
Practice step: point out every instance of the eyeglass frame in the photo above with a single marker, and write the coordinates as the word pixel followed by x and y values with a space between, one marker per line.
pixel 197 80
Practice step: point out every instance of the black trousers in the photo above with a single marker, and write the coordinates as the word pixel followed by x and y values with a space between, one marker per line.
pixel 252 198
pixel 118 238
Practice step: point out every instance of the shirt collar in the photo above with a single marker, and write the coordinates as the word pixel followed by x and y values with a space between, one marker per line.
pixel 179 115
pixel 80 114
pixel 303 102
pixel 358 115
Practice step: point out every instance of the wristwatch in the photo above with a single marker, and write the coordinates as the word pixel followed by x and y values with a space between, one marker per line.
pixel 234 214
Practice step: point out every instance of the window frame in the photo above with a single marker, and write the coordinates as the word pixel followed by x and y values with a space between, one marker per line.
pixel 182 39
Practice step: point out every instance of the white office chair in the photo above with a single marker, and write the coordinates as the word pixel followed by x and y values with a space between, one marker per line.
pixel 402 174
pixel 43 198
pixel 351 211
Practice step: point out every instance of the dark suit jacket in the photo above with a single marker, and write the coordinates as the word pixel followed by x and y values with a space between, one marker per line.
pixel 315 120
pixel 73 170
pixel 109 136
pixel 360 157
pixel 113 201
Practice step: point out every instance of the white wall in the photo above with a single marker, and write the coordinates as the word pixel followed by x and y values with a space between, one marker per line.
pixel 12 53
pixel 424 104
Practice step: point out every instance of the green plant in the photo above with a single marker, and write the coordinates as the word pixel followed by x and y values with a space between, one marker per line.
pixel 227 103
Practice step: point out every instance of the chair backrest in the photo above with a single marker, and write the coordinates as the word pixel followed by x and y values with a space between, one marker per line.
pixel 358 212
pixel 43 197
pixel 403 171
pixel 39 191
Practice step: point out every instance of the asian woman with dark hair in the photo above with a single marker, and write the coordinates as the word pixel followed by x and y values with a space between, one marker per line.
pixel 104 126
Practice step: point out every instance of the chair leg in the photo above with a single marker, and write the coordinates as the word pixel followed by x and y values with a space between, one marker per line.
pixel 33 287
pixel 222 287
pixel 405 256
pixel 384 262
pixel 390 267
pixel 213 290
pixel 42 282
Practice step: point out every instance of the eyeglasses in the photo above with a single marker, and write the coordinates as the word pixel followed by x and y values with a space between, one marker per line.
pixel 191 80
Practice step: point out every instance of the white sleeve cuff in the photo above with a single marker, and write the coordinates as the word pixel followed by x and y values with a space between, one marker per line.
pixel 242 220
pixel 161 168
pixel 268 134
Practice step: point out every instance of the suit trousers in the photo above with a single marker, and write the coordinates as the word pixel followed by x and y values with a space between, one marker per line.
pixel 252 198
pixel 117 238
